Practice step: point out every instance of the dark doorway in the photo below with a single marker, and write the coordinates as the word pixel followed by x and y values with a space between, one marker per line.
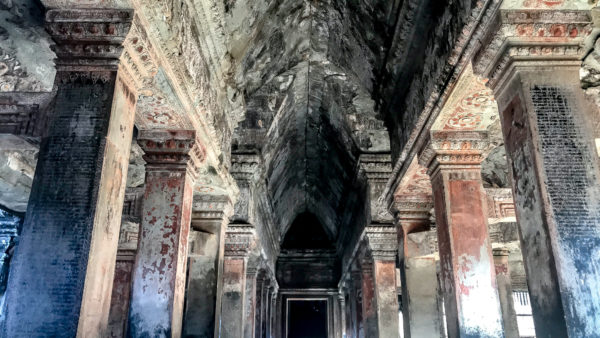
pixel 307 319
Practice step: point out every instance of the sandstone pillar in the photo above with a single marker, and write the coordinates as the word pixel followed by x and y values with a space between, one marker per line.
pixel 547 128
pixel 272 313
pixel 471 300
pixel 342 305
pixel 417 270
pixel 356 306
pixel 378 275
pixel 210 215
pixel 158 285
pixel 264 307
pixel 509 316
pixel 61 275
pixel 252 304
pixel 239 239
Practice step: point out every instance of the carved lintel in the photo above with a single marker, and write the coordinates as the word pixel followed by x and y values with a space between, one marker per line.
pixel 239 240
pixel 543 37
pixel 88 40
pixel 460 150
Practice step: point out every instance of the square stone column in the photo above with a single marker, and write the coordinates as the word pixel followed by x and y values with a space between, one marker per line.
pixel 471 300
pixel 273 311
pixel 210 215
pixel 239 240
pixel 342 305
pixel 378 281
pixel 505 293
pixel 158 285
pixel 417 268
pixel 533 67
pixel 61 276
pixel 252 302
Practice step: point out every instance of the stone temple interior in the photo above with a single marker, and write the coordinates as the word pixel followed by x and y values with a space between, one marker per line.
pixel 300 168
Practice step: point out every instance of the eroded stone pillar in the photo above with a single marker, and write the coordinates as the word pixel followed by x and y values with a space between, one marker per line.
pixel 547 127
pixel 378 276
pixel 60 281
pixel 471 300
pixel 239 239
pixel 158 285
pixel 210 215
pixel 509 316
pixel 252 303
pixel 272 312
pixel 342 305
pixel 417 269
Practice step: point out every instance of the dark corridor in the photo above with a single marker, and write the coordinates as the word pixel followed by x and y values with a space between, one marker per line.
pixel 307 319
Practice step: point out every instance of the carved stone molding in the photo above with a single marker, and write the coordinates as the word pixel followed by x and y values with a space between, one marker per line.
pixel 170 149
pixel 381 242
pixel 88 39
pixel 447 149
pixel 239 240
pixel 245 166
pixel 412 208
pixel 209 212
pixel 532 36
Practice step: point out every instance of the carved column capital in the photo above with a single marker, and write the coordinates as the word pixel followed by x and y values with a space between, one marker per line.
pixel 245 167
pixel 209 212
pixel 239 240
pixel 454 150
pixel 380 242
pixel 377 168
pixel 531 37
pixel 172 149
pixel 88 40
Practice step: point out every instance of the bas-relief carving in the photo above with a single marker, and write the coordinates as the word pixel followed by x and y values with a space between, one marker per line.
pixel 471 105
pixel 548 4
pixel 26 61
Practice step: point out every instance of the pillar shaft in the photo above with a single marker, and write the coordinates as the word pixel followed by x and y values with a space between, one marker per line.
pixel 509 316
pixel 547 128
pixel 471 299
pixel 417 269
pixel 252 304
pixel 378 276
pixel 159 275
pixel 60 282
pixel 210 215
pixel 556 185
pixel 238 241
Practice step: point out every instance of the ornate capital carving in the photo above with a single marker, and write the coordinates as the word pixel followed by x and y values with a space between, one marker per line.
pixel 239 240
pixel 454 149
pixel 381 242
pixel 406 207
pixel 245 167
pixel 170 148
pixel 88 40
pixel 376 166
pixel 209 212
pixel 532 37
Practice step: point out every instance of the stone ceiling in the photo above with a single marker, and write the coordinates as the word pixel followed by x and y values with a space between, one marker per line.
pixel 308 70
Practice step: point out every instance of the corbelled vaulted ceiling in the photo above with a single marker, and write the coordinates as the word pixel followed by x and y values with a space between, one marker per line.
pixel 308 74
